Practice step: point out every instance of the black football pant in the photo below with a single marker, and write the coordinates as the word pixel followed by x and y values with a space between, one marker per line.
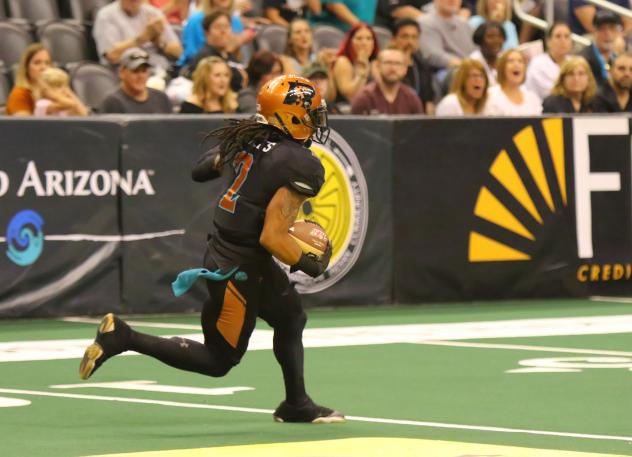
pixel 228 320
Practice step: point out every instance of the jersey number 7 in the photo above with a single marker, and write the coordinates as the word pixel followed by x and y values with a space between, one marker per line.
pixel 241 164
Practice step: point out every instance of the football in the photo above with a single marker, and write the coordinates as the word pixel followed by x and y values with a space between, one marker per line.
pixel 310 236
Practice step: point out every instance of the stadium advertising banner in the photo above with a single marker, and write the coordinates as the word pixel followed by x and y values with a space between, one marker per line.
pixel 59 186
pixel 512 208
pixel 102 214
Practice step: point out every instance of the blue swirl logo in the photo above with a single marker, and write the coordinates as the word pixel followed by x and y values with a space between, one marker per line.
pixel 25 238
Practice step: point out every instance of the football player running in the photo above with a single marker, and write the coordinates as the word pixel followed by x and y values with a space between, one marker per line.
pixel 271 172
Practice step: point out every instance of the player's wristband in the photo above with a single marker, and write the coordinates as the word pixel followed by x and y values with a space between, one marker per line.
pixel 309 265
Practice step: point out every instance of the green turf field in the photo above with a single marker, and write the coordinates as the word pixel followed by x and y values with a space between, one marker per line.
pixel 515 379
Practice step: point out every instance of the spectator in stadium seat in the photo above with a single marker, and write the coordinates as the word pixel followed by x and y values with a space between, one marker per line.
pixel 468 93
pixel 283 12
pixel 446 38
pixel 176 11
pixel 616 95
pixel 218 43
pixel 582 15
pixel 498 11
pixel 544 69
pixel 21 100
pixel 55 97
pixel 387 95
pixel 133 95
pixel 299 50
pixel 263 66
pixel 211 89
pixel 194 35
pixel 126 24
pixel 601 52
pixel 352 67
pixel 489 37
pixel 406 34
pixel 318 74
pixel 346 14
pixel 574 89
pixel 510 97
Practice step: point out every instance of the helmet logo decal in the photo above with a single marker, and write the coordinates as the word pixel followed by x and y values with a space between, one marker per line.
pixel 299 94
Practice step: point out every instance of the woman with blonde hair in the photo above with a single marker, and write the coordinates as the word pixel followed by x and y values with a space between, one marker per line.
pixel 299 51
pixel 510 97
pixel 211 89
pixel 498 11
pixel 574 89
pixel 468 92
pixel 33 62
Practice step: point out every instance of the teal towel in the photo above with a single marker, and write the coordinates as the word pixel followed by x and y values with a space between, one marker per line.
pixel 185 279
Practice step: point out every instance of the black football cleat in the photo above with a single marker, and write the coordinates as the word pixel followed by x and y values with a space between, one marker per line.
pixel 307 412
pixel 112 339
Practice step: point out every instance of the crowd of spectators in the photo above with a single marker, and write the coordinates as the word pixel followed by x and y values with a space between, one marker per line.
pixel 443 57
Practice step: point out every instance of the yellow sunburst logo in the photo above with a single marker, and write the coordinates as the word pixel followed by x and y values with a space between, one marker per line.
pixel 513 179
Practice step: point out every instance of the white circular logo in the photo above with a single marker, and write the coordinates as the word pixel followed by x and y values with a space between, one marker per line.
pixel 341 207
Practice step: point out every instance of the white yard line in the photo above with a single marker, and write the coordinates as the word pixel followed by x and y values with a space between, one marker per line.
pixel 588 325
pixel 611 299
pixel 16 351
pixel 522 347
pixel 350 418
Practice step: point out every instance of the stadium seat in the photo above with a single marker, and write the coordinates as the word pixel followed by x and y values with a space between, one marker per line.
pixel 272 38
pixel 4 87
pixel 34 11
pixel 14 39
pixel 92 82
pixel 84 10
pixel 66 43
pixel 384 36
pixel 326 36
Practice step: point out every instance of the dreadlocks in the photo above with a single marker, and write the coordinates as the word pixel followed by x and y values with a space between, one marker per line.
pixel 234 137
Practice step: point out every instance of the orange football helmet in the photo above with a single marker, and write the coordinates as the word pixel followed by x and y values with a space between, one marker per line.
pixel 293 104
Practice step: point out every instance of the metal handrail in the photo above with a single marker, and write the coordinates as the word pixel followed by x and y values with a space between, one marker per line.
pixel 620 10
pixel 543 25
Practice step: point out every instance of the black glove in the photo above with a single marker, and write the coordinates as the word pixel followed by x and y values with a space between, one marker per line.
pixel 313 265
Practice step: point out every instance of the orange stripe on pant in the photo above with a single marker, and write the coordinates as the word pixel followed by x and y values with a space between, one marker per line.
pixel 231 319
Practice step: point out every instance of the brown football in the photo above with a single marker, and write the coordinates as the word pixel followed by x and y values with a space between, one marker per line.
pixel 310 236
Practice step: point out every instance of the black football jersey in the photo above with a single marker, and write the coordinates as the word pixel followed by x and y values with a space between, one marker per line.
pixel 254 176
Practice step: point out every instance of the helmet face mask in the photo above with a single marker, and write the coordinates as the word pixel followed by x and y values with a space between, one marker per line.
pixel 293 105
pixel 319 122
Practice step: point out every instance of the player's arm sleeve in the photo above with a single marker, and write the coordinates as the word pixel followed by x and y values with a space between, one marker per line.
pixel 307 179
pixel 205 168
